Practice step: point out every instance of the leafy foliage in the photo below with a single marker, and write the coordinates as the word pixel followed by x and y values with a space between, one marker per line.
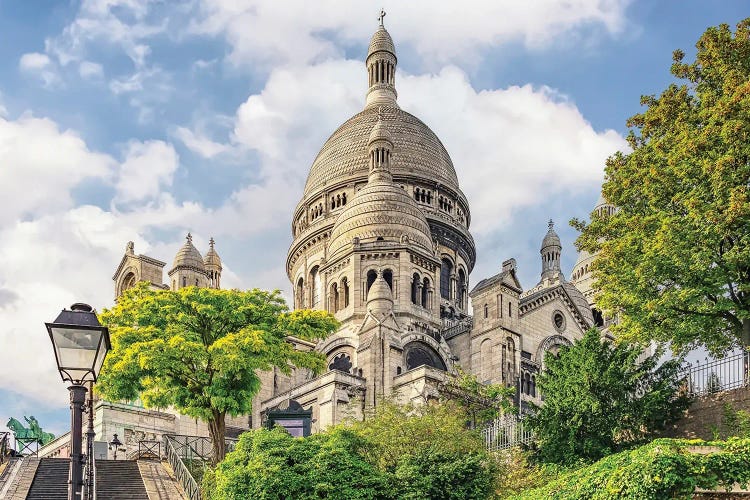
pixel 674 261
pixel 393 430
pixel 663 469
pixel 481 402
pixel 398 453
pixel 268 465
pixel 199 349
pixel 599 399
pixel 736 422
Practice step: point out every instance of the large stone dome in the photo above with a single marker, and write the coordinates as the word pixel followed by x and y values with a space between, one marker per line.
pixel 189 256
pixel 417 153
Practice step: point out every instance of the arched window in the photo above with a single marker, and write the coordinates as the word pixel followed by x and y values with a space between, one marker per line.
pixel 315 280
pixel 429 197
pixel 341 362
pixel 524 385
pixel 446 269
pixel 415 289
pixel 510 309
pixel 300 296
pixel 184 281
pixel 419 354
pixel 371 275
pixel 511 362
pixel 334 298
pixel 338 200
pixel 196 281
pixel 345 291
pixel 462 288
pixel 486 311
pixel 333 203
pixel 533 386
pixel 425 293
pixel 343 198
pixel 388 277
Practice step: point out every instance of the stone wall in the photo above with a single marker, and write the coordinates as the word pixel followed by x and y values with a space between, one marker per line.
pixel 705 417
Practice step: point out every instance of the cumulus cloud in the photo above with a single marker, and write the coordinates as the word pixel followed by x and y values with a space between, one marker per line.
pixel 199 143
pixel 304 32
pixel 41 164
pixel 526 143
pixel 90 70
pixel 147 168
pixel 39 65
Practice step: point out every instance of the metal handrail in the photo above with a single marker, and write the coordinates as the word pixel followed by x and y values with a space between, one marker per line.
pixel 183 475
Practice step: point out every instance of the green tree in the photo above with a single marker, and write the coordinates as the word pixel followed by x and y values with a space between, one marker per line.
pixel 481 402
pixel 199 349
pixel 674 261
pixel 599 398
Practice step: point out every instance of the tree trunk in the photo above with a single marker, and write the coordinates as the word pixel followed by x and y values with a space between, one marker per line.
pixel 216 428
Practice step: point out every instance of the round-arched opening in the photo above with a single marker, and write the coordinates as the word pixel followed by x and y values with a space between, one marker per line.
pixel 419 354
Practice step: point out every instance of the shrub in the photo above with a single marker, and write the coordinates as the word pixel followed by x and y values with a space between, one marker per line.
pixel 663 469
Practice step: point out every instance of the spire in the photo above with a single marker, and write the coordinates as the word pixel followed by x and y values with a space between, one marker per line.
pixel 380 149
pixel 550 252
pixel 381 68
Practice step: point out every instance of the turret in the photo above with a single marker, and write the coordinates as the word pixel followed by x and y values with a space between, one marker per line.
pixel 381 68
pixel 550 252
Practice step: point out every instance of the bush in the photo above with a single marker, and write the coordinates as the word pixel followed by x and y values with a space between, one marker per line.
pixel 662 469
pixel 399 452
pixel 269 465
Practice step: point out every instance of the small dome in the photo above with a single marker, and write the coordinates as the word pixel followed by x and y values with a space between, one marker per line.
pixel 379 298
pixel 212 258
pixel 551 239
pixel 188 256
pixel 380 132
pixel 381 41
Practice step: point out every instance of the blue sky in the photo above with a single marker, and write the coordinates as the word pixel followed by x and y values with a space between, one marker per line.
pixel 134 120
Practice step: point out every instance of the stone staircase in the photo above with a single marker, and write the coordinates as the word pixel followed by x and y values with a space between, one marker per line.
pixel 51 480
pixel 119 480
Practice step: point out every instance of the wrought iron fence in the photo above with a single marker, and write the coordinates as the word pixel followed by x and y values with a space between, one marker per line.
pixel 717 375
pixel 149 449
pixel 189 456
pixel 506 432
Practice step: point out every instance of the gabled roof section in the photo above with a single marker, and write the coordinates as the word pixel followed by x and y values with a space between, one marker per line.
pixel 506 277
pixel 571 296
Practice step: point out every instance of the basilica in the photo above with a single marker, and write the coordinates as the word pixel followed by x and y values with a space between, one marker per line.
pixel 382 240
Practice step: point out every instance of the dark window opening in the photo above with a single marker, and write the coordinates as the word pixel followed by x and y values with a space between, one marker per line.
pixel 388 277
pixel 341 362
pixel 371 275
pixel 446 269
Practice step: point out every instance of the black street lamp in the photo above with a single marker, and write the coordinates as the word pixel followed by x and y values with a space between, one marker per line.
pixel 80 343
pixel 114 445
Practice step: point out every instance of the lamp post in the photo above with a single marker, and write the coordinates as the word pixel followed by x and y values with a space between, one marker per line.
pixel 80 344
pixel 114 445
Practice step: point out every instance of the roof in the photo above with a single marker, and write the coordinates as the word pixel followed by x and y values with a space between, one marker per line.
pixel 188 256
pixel 381 41
pixel 507 278
pixel 417 151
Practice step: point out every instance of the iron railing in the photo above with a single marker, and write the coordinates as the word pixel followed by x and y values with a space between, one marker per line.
pixel 189 456
pixel 505 432
pixel 181 472
pixel 717 375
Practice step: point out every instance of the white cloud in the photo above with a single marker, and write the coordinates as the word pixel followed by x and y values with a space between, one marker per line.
pixel 40 165
pixel 304 32
pixel 34 61
pixel 513 147
pixel 199 143
pixel 40 66
pixel 90 70
pixel 147 168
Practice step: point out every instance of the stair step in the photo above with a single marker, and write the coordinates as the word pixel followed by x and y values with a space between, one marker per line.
pixel 51 480
pixel 119 480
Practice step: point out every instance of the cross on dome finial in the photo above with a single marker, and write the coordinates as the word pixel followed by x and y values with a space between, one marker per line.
pixel 211 242
pixel 550 224
pixel 381 16
pixel 189 237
